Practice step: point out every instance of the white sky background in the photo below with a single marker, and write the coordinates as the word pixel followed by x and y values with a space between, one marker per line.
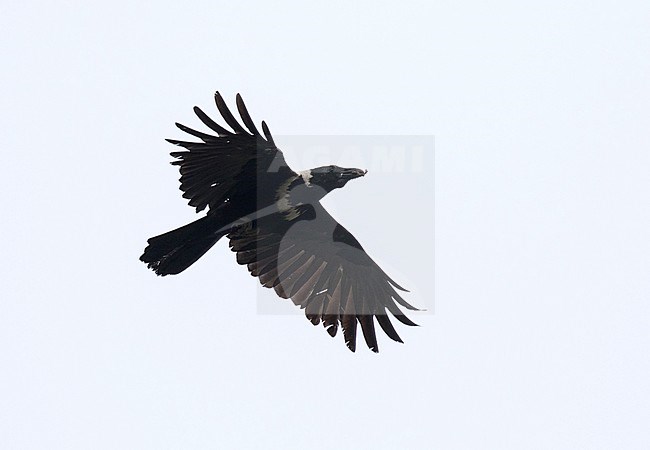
pixel 540 334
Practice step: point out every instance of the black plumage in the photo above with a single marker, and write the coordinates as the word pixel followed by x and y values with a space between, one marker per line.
pixel 277 227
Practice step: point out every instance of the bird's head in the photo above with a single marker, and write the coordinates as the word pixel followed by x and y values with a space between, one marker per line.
pixel 331 177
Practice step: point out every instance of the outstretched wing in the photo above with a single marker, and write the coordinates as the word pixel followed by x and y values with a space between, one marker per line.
pixel 213 170
pixel 309 257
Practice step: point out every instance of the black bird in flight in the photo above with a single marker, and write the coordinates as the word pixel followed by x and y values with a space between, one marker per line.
pixel 278 228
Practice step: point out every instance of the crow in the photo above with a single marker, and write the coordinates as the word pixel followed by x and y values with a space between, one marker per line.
pixel 277 227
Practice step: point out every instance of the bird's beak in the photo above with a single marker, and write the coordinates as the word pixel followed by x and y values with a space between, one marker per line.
pixel 351 174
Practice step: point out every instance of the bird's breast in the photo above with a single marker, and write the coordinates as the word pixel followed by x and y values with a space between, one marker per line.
pixel 286 200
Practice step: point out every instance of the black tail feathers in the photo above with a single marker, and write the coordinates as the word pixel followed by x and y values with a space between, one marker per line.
pixel 173 252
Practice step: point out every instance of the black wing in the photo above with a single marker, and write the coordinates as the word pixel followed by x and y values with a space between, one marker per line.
pixel 212 170
pixel 309 257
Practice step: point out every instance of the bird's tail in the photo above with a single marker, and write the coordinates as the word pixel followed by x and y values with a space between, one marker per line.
pixel 173 252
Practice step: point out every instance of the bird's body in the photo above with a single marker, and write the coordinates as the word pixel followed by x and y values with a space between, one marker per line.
pixel 277 226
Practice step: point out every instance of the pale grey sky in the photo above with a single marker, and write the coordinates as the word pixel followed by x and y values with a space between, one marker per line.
pixel 540 334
